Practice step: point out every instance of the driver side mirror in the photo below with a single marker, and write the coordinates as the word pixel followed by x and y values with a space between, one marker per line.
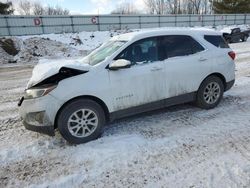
pixel 120 64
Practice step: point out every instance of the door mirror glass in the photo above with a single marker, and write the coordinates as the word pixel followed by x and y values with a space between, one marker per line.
pixel 120 64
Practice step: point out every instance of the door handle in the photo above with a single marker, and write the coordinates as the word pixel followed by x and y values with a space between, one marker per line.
pixel 202 59
pixel 155 69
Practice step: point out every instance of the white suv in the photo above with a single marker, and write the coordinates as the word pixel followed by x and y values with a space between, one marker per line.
pixel 129 74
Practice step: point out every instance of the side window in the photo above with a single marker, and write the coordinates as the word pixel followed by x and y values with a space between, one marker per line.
pixel 196 47
pixel 142 51
pixel 216 40
pixel 179 45
pixel 235 30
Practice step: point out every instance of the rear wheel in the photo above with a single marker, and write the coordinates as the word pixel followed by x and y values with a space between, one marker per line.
pixel 81 121
pixel 244 38
pixel 210 92
pixel 228 40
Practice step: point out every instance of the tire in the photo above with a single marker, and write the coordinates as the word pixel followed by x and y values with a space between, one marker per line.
pixel 210 92
pixel 244 38
pixel 81 121
pixel 228 41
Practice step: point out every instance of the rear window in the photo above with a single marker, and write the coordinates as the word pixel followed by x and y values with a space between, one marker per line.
pixel 216 40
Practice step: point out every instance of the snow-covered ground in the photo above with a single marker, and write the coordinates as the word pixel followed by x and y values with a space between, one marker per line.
pixel 180 146
pixel 33 48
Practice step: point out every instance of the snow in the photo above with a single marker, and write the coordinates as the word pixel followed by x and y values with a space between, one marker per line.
pixel 90 40
pixel 181 146
pixel 71 45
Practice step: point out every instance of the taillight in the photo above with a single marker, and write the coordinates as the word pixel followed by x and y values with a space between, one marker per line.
pixel 232 54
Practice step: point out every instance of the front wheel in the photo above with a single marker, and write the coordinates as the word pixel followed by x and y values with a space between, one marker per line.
pixel 81 121
pixel 210 92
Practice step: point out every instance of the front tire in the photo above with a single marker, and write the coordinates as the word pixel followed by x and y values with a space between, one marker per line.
pixel 210 93
pixel 81 121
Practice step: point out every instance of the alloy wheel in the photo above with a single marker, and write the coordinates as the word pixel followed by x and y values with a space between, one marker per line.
pixel 82 123
pixel 212 93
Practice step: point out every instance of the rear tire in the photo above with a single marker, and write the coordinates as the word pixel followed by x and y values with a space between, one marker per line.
pixel 228 41
pixel 81 121
pixel 210 92
pixel 244 38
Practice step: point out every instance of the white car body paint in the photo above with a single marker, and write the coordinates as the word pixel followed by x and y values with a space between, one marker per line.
pixel 137 85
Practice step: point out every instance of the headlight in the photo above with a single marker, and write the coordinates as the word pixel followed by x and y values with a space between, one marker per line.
pixel 38 92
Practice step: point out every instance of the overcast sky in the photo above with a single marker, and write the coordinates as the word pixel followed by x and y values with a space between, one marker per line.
pixel 88 6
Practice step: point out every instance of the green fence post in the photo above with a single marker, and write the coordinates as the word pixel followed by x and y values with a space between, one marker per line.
pixel 72 24
pixel 42 24
pixel 7 25
pixel 120 22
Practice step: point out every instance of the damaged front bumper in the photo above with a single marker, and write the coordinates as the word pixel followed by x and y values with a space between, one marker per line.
pixel 39 114
pixel 38 122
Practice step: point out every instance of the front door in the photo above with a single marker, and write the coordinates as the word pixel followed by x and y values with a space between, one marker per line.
pixel 144 81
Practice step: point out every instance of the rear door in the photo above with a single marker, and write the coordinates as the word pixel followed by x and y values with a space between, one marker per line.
pixel 185 64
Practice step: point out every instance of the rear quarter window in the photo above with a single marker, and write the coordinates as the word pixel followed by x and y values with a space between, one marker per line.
pixel 216 40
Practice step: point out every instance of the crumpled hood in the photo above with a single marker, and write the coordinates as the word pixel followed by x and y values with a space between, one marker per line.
pixel 49 67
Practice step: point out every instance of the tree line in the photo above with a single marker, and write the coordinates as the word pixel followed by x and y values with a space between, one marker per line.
pixel 179 6
pixel 157 7
pixel 161 7
pixel 26 7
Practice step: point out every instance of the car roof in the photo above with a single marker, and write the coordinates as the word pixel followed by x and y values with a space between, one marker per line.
pixel 165 31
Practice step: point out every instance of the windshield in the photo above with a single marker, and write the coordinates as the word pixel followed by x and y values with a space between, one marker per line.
pixel 104 51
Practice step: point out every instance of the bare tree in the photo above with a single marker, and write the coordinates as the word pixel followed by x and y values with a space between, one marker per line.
pixel 196 6
pixel 150 5
pixel 178 6
pixel 190 7
pixel 38 9
pixel 125 8
pixel 173 6
pixel 210 6
pixel 49 10
pixel 156 6
pixel 163 6
pixel 160 6
pixel 204 7
pixel 25 7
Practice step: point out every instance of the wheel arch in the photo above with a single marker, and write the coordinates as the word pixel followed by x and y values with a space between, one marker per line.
pixel 245 35
pixel 96 99
pixel 219 75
